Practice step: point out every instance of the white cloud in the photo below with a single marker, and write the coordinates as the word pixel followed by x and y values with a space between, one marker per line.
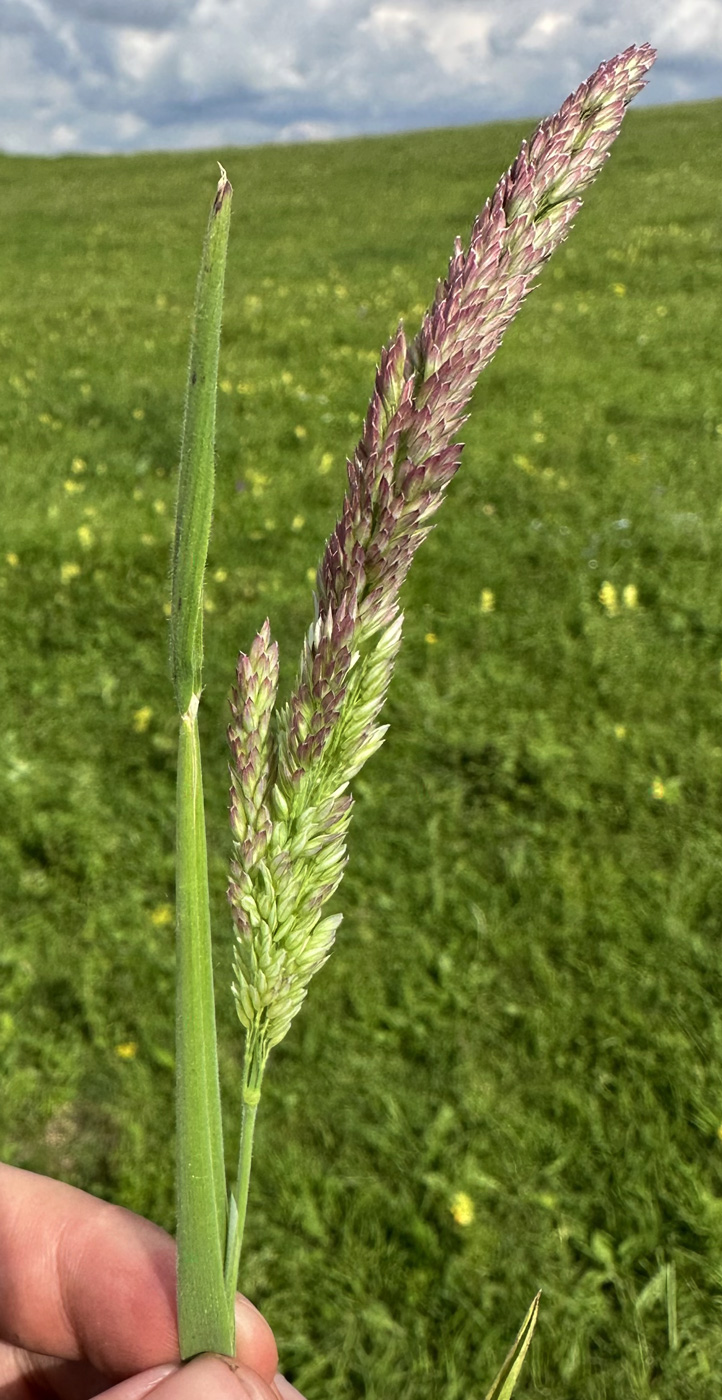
pixel 139 53
pixel 145 74
pixel 545 30
pixel 456 37
pixel 693 26
pixel 305 131
pixel 64 137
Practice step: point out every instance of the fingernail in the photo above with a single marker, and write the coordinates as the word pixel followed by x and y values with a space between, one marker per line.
pixel 285 1389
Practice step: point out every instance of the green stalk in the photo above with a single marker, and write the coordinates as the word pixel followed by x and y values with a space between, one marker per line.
pixel 205 1320
pixel 254 1063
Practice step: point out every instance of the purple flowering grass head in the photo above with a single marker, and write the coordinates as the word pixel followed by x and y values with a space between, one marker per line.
pixel 290 807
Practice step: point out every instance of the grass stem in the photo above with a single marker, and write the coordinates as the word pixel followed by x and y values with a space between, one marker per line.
pixel 252 1076
pixel 203 1320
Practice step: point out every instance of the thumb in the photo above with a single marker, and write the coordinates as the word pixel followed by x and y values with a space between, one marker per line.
pixel 213 1377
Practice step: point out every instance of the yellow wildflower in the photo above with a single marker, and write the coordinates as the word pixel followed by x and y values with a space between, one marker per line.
pixel 300 431
pixel 326 463
pixel 620 731
pixel 225 386
pixel 658 789
pixel 619 289
pixel 138 413
pixel 78 465
pixel 127 1051
pixel 462 1208
pixel 488 601
pixel 298 522
pixel 73 488
pixel 162 915
pixel 12 559
pixel 68 571
pixel 608 598
pixel 630 596
pixel 159 507
pixel 142 718
pixel 220 575
pixel 258 481
pixel 431 638
pixel 167 609
pixel 85 535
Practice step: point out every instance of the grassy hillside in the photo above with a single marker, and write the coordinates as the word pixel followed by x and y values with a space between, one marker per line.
pixel 524 1003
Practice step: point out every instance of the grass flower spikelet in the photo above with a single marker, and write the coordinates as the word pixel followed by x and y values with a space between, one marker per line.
pixel 290 805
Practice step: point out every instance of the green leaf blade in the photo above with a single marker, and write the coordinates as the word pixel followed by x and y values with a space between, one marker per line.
pixel 503 1386
pixel 196 474
pixel 205 1320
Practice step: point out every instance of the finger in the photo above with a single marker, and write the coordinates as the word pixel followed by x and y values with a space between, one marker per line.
pixel 140 1387
pixel 24 1375
pixel 82 1279
pixel 285 1389
pixel 212 1377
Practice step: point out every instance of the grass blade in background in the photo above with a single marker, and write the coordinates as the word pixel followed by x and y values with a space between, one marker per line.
pixel 503 1386
pixel 205 1322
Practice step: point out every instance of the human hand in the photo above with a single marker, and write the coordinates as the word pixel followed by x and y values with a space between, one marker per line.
pixel 87 1307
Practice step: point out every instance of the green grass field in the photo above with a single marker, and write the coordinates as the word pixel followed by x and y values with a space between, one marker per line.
pixel 524 1005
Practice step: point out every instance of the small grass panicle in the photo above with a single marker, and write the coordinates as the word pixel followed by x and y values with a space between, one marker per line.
pixel 290 808
pixel 257 683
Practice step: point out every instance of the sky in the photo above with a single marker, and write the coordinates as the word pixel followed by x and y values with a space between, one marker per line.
pixel 132 75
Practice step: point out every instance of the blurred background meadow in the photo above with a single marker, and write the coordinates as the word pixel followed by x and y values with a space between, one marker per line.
pixel 509 1075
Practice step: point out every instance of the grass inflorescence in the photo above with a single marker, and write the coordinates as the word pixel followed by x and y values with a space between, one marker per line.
pixel 510 1076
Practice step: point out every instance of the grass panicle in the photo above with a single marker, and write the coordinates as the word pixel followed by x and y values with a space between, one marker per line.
pixel 290 804
pixel 291 771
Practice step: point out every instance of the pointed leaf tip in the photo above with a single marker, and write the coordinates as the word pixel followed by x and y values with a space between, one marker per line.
pixel 503 1386
pixel 224 191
